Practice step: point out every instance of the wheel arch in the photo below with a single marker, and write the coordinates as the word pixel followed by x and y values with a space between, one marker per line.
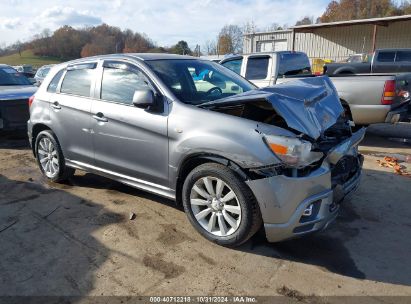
pixel 344 70
pixel 37 128
pixel 347 108
pixel 193 161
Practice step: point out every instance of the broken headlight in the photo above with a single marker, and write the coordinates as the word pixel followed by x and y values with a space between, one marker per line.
pixel 292 151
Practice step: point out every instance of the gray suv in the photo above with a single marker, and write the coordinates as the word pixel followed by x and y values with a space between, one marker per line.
pixel 191 130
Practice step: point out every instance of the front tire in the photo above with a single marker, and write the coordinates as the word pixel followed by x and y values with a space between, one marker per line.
pixel 220 206
pixel 50 158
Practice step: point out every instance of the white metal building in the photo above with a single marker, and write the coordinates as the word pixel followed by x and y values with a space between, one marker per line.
pixel 335 40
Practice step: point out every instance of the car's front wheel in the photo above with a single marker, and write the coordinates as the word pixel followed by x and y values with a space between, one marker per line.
pixel 50 157
pixel 220 205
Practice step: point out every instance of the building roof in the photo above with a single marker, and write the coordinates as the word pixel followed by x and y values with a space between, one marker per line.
pixel 385 21
pixel 268 32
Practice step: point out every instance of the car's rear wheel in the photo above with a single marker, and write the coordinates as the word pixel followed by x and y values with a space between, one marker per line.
pixel 220 205
pixel 50 157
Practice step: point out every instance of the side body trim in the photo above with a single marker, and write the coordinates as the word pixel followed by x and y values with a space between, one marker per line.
pixel 128 180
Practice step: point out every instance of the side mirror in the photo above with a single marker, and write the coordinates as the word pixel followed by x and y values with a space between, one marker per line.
pixel 143 98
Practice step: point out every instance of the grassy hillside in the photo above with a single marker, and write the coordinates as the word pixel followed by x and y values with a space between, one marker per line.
pixel 27 57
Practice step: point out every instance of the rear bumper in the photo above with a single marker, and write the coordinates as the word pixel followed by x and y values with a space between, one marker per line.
pixel 399 114
pixel 13 114
pixel 296 206
pixel 369 114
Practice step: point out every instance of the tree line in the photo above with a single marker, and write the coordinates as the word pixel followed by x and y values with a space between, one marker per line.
pixel 70 43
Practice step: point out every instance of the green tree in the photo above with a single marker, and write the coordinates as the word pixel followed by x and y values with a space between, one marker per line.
pixel 181 48
pixel 230 40
pixel 305 21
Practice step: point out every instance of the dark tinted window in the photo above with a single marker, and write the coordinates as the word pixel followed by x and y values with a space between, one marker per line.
pixel 120 84
pixel 293 64
pixel 386 56
pixel 77 82
pixel 403 56
pixel 54 82
pixel 9 76
pixel 257 68
pixel 234 65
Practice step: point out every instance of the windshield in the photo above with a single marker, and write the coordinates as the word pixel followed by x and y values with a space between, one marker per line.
pixel 10 76
pixel 294 64
pixel 199 81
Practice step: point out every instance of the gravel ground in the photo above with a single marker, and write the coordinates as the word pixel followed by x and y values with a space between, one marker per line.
pixel 76 239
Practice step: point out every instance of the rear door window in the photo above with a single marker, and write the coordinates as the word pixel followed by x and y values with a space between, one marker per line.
pixel 257 67
pixel 234 65
pixel 386 56
pixel 403 56
pixel 77 80
pixel 293 64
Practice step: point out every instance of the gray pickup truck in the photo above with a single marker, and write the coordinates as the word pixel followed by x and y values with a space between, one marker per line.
pixel 367 98
pixel 382 61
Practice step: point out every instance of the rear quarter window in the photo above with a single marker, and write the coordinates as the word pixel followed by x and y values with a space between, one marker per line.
pixel 55 82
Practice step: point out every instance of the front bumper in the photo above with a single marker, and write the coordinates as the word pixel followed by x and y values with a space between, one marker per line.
pixel 284 200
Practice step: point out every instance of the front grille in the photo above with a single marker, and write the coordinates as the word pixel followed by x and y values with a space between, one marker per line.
pixel 334 135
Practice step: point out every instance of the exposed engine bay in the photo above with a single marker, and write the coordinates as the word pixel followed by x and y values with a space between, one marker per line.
pixel 310 109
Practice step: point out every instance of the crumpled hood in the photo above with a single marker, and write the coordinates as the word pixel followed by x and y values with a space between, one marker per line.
pixel 17 92
pixel 308 105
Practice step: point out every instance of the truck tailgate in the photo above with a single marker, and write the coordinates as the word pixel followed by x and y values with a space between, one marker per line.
pixel 364 95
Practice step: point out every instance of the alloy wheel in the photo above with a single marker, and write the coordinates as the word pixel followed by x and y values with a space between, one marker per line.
pixel 48 157
pixel 215 206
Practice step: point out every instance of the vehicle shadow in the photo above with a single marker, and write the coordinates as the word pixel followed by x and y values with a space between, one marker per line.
pixel 367 241
pixel 47 243
pixel 90 180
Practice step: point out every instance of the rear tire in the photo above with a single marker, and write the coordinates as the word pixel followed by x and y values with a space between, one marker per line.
pixel 50 158
pixel 220 205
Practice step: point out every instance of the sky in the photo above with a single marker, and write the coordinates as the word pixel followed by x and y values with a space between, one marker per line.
pixel 165 22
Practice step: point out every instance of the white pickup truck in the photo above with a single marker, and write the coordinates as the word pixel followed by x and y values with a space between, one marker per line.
pixel 367 99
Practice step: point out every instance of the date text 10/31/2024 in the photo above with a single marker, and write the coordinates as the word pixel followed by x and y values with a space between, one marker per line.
pixel 203 299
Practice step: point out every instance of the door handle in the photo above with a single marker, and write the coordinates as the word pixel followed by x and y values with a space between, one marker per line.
pixel 56 105
pixel 100 117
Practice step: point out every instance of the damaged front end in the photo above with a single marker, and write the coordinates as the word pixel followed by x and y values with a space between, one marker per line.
pixel 319 163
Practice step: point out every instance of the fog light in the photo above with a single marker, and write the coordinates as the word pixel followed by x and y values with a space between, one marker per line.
pixel 309 210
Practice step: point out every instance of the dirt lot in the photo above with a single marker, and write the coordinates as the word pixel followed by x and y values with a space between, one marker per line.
pixel 77 239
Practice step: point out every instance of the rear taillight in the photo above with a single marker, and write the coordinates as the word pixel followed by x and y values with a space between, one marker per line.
pixel 31 99
pixel 389 92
